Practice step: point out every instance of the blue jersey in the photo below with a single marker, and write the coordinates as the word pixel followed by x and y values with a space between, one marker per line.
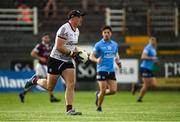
pixel 149 50
pixel 107 52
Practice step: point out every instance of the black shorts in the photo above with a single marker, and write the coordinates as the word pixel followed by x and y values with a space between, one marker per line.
pixel 146 73
pixel 56 67
pixel 105 76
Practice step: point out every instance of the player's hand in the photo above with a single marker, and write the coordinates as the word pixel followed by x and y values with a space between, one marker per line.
pixel 157 62
pixel 99 60
pixel 119 64
pixel 76 57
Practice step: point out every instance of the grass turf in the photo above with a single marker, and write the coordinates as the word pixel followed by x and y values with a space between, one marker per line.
pixel 157 106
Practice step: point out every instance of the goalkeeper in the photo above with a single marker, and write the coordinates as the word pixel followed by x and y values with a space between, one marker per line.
pixel 61 58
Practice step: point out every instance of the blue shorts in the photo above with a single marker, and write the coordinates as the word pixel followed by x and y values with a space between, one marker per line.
pixel 146 73
pixel 105 76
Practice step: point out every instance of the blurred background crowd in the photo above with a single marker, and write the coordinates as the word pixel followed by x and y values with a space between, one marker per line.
pixel 23 21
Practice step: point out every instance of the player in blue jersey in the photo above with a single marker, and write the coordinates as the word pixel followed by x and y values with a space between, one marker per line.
pixel 104 54
pixel 149 58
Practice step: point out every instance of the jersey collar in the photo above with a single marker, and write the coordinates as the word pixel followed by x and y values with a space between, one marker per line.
pixel 71 27
pixel 45 44
pixel 151 45
pixel 106 41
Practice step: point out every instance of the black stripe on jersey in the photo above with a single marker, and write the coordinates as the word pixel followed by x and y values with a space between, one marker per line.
pixel 62 37
pixel 72 27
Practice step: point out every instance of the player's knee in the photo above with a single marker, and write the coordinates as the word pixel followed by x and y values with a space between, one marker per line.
pixel 70 85
pixel 102 92
pixel 113 91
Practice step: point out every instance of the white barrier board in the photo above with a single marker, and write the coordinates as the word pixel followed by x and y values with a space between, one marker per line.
pixel 128 72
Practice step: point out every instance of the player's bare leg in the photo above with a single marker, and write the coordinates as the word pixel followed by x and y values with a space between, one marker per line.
pixel 50 83
pixel 112 87
pixel 147 83
pixel 36 81
pixel 69 78
pixel 142 91
pixel 29 84
pixel 101 94
pixel 43 83
pixel 153 82
pixel 135 87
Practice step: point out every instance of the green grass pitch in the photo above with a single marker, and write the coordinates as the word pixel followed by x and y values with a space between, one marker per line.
pixel 157 106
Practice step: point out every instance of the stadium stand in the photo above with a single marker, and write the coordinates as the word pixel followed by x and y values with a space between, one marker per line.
pixel 19 46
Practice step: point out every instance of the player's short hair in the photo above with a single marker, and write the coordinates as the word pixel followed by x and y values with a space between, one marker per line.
pixel 153 37
pixel 75 13
pixel 106 27
pixel 45 34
